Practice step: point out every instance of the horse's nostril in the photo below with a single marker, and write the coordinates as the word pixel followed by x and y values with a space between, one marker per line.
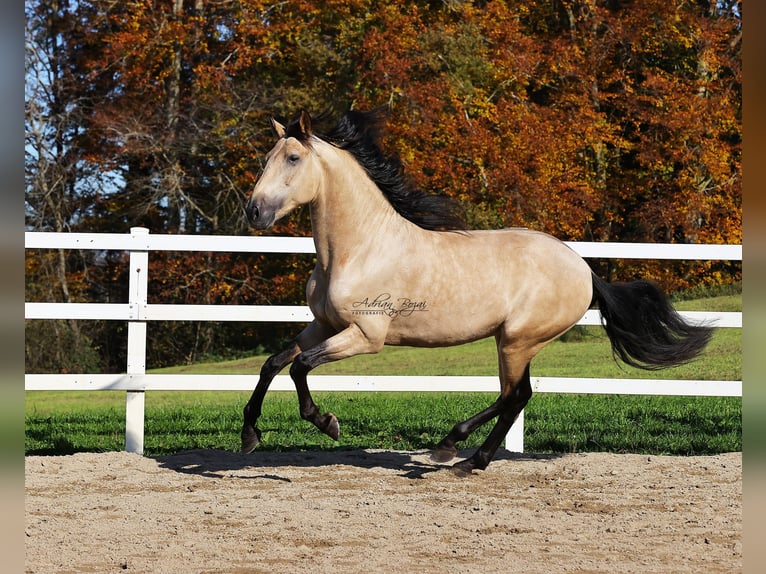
pixel 252 211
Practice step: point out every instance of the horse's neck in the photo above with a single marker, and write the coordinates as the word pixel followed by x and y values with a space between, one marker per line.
pixel 350 213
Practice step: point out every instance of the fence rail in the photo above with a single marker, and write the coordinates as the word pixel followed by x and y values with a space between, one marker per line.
pixel 137 312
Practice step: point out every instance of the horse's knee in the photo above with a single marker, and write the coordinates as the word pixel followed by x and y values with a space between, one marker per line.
pixel 524 392
pixel 269 366
pixel 519 394
pixel 300 367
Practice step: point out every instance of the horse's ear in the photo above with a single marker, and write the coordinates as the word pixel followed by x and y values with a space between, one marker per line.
pixel 305 124
pixel 278 128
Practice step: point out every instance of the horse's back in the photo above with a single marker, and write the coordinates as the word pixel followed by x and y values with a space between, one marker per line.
pixel 521 251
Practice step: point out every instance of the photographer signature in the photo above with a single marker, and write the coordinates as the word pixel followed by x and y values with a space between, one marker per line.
pixel 383 304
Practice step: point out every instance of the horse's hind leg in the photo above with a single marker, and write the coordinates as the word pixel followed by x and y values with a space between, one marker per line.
pixel 512 405
pixel 515 391
pixel 446 450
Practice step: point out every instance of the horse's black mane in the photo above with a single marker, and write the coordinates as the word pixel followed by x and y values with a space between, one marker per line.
pixel 357 133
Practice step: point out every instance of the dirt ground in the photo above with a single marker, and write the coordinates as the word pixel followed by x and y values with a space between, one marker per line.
pixel 382 511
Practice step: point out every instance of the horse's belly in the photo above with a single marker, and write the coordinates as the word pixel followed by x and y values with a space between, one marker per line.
pixel 434 327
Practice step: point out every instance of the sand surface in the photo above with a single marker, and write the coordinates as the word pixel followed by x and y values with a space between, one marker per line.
pixel 382 511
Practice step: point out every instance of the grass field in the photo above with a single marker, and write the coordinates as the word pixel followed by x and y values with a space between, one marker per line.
pixel 66 422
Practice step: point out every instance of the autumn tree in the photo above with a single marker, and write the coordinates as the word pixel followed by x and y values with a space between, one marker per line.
pixel 60 185
pixel 588 120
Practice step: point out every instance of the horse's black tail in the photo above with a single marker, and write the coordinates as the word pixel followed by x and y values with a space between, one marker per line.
pixel 644 328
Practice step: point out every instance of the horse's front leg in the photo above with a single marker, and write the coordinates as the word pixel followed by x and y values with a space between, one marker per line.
pixel 308 338
pixel 251 436
pixel 349 342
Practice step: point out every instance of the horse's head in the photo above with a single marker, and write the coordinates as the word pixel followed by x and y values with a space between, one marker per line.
pixel 291 175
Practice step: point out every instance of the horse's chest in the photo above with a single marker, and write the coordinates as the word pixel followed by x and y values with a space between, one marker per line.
pixel 328 299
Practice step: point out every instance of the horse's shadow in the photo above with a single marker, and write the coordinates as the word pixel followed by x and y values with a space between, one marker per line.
pixel 265 465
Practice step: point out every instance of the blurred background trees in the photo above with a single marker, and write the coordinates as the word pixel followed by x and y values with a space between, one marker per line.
pixel 591 120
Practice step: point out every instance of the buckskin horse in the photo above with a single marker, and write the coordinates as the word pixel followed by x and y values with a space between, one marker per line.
pixel 395 266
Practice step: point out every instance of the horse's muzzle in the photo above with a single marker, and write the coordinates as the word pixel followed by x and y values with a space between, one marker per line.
pixel 257 216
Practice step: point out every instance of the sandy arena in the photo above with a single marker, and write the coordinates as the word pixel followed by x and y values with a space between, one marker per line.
pixel 382 511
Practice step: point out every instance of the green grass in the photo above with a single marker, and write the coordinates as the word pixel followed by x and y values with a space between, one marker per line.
pixel 67 422
pixel 554 423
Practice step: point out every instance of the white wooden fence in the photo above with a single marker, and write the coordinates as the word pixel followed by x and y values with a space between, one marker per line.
pixel 138 312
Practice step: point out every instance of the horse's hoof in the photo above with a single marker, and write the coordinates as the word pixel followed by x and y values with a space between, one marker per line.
pixel 443 454
pixel 333 427
pixel 251 438
pixel 462 469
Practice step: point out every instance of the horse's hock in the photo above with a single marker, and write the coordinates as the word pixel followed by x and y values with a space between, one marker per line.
pixel 217 511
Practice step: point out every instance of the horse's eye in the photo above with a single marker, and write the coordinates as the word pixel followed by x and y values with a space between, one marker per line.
pixel 293 158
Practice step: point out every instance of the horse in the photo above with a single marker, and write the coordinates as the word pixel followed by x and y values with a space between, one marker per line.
pixel 396 266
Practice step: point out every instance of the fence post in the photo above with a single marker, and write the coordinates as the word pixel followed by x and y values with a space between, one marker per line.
pixel 514 440
pixel 137 298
